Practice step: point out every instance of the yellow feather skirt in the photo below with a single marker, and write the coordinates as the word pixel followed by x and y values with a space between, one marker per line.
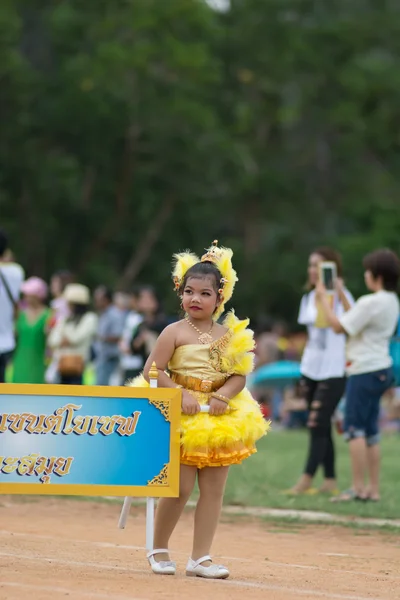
pixel 220 441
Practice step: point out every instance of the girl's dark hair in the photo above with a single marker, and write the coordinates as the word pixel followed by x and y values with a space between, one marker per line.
pixel 77 312
pixel 200 271
pixel 384 263
pixel 331 255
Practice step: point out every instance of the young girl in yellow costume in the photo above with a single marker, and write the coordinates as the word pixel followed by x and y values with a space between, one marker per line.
pixel 209 362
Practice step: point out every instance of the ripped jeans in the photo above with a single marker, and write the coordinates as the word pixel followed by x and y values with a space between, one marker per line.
pixel 322 398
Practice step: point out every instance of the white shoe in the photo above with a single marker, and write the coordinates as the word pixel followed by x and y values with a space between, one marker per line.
pixel 164 567
pixel 194 568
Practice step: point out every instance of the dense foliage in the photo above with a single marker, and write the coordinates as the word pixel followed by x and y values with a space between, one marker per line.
pixel 134 128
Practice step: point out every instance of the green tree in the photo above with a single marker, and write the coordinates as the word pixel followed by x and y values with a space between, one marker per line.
pixel 134 129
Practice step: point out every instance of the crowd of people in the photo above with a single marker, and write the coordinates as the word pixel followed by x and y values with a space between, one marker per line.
pixel 50 333
pixel 346 354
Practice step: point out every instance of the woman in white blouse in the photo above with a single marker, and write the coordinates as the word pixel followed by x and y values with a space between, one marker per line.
pixel 323 375
pixel 72 336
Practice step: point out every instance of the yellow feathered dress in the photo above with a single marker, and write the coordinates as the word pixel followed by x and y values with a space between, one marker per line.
pixel 215 441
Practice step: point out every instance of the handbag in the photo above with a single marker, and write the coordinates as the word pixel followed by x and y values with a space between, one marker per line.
pixel 395 354
pixel 10 296
pixel 71 364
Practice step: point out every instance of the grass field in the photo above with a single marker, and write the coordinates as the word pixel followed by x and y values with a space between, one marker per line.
pixel 260 480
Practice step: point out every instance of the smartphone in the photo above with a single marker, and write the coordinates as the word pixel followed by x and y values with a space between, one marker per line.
pixel 328 275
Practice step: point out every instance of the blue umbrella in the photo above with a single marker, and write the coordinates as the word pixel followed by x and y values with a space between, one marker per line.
pixel 283 372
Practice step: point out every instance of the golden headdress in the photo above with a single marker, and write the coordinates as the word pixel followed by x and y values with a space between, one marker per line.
pixel 221 257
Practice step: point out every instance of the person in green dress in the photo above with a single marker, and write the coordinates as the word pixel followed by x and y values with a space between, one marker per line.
pixel 31 331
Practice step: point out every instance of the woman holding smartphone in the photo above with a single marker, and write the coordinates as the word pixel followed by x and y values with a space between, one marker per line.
pixel 369 326
pixel 323 371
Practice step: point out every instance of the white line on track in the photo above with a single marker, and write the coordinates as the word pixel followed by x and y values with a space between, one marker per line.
pixel 73 541
pixel 232 582
pixel 233 558
pixel 64 591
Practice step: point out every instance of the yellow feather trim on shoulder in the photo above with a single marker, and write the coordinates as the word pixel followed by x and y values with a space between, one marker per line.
pixel 233 323
pixel 238 357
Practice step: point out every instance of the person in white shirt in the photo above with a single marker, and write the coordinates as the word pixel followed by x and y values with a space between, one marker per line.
pixel 370 324
pixel 131 365
pixel 11 278
pixel 58 283
pixel 323 376
pixel 72 336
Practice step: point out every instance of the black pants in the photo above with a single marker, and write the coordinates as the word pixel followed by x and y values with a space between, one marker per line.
pixel 4 360
pixel 322 399
pixel 71 379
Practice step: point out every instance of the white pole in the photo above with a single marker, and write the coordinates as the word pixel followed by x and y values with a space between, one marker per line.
pixel 149 524
pixel 153 375
pixel 125 512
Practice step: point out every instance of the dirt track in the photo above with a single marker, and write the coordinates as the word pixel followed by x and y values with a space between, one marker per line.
pixel 55 548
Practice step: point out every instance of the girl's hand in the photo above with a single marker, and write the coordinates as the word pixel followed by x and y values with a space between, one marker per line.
pixel 190 406
pixel 217 407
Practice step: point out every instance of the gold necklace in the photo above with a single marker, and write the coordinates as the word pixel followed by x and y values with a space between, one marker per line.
pixel 204 338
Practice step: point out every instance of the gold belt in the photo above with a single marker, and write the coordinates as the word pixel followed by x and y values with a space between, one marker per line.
pixel 196 384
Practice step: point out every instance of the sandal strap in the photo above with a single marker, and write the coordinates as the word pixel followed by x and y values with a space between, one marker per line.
pixel 157 551
pixel 201 560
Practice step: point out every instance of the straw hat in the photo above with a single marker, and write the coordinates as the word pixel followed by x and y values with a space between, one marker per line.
pixel 77 293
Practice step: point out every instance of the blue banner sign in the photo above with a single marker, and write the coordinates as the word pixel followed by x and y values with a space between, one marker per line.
pixel 89 440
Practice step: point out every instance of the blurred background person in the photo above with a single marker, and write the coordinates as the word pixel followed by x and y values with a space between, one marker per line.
pixel 152 324
pixel 131 364
pixel 11 278
pixel 123 301
pixel 31 331
pixel 370 325
pixel 323 375
pixel 8 256
pixel 59 306
pixel 72 336
pixel 271 346
pixel 268 343
pixel 294 409
pixel 58 283
pixel 109 332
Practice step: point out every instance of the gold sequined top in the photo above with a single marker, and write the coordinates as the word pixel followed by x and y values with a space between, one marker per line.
pixel 202 361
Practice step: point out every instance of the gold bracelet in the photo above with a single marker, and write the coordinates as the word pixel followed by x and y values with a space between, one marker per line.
pixel 221 397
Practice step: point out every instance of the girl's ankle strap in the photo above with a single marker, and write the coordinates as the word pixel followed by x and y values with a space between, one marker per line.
pixel 157 551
